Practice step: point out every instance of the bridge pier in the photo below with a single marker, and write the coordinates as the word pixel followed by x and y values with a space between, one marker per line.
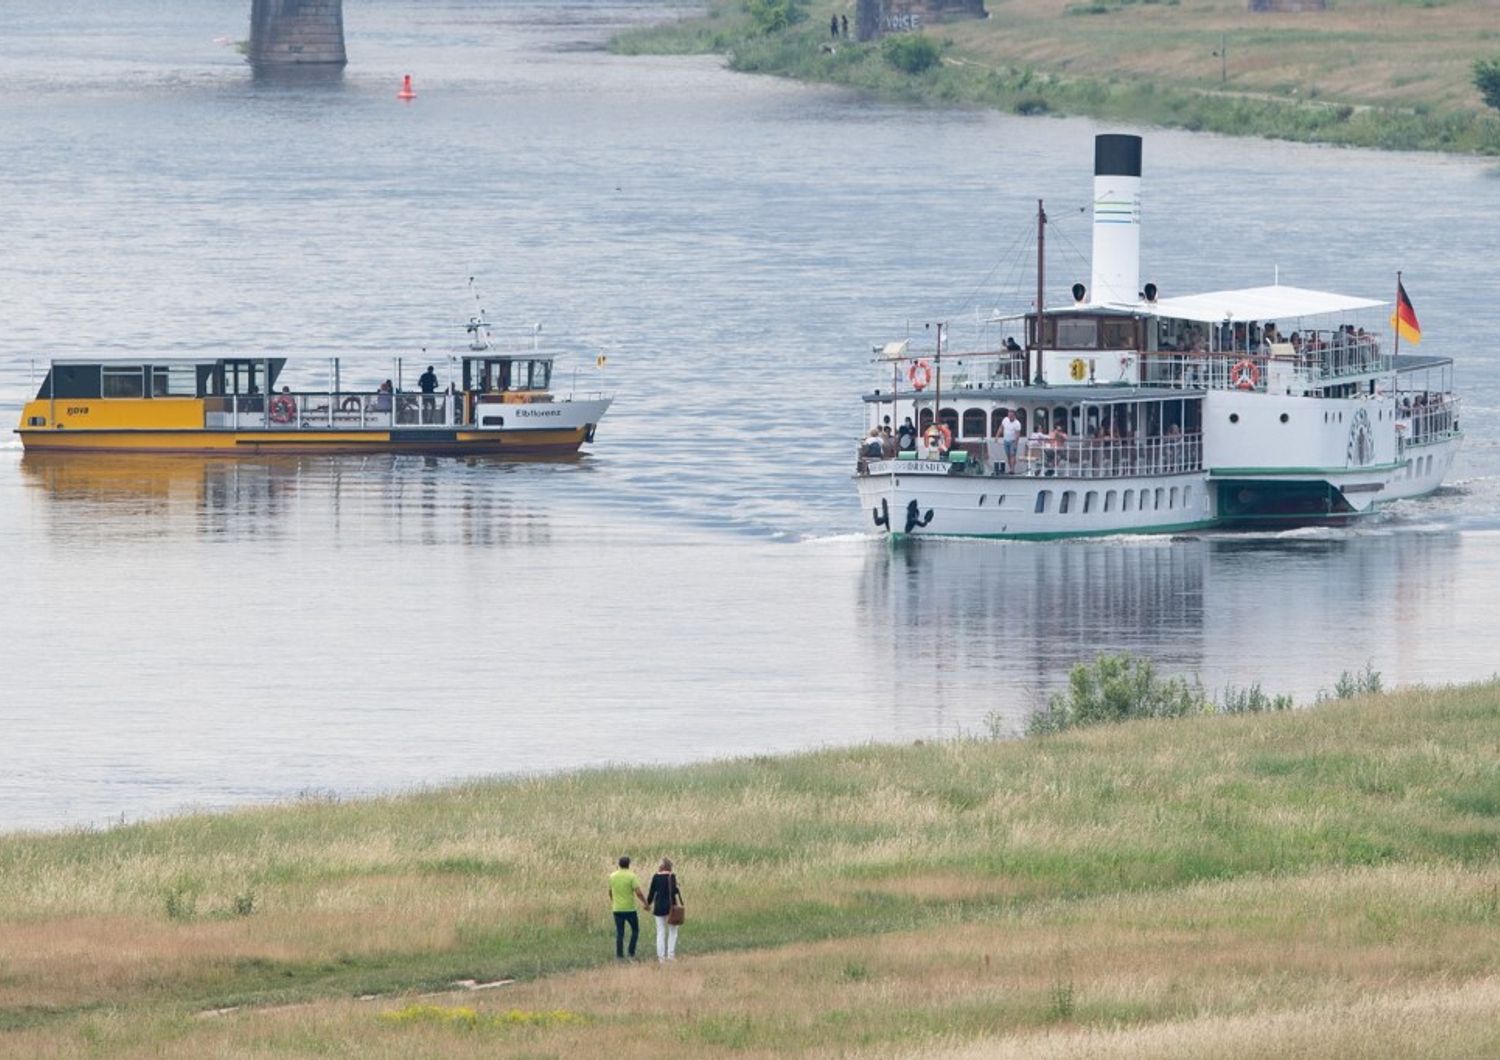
pixel 297 33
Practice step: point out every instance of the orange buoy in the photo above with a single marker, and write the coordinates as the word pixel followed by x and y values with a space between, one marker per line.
pixel 406 89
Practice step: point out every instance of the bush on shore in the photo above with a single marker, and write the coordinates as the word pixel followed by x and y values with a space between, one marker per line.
pixel 911 53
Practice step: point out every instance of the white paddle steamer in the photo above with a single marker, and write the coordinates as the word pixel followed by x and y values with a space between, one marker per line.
pixel 1135 413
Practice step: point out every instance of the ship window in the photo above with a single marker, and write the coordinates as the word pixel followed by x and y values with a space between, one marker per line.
pixel 1109 501
pixel 999 500
pixel 982 497
pixel 1043 501
pixel 123 382
pixel 1077 334
pixel 1090 501
pixel 1234 417
pixel 1187 496
pixel 974 423
pixel 949 419
pixel 1156 505
pixel 1117 334
pixel 1065 503
pixel 1172 501
pixel 1127 501
pixel 924 420
pixel 1041 420
pixel 174 380
pixel 1284 417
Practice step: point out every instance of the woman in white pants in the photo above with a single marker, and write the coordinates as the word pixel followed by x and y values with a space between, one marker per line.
pixel 665 901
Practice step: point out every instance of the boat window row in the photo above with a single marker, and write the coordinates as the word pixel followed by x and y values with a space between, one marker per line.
pixel 1089 502
pixel 1120 420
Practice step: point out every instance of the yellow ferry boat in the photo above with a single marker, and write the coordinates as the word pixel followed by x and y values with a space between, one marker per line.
pixel 495 403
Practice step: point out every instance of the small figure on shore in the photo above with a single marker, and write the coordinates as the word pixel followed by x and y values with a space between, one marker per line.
pixel 845 20
pixel 624 889
pixel 665 900
pixel 833 26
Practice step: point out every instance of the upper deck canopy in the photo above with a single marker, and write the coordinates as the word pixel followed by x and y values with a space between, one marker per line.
pixel 1275 303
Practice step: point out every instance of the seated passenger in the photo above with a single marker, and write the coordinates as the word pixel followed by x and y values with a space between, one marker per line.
pixel 383 397
pixel 872 448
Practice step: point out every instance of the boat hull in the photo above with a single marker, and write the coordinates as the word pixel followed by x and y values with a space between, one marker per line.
pixel 926 502
pixel 262 442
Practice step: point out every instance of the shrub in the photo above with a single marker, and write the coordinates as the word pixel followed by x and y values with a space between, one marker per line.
pixel 911 53
pixel 1250 701
pixel 773 16
pixel 1031 105
pixel 1118 688
pixel 1365 683
pixel 1487 80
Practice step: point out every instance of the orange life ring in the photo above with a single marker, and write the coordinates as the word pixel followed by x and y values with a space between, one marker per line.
pixel 1245 375
pixel 283 409
pixel 934 429
pixel 919 375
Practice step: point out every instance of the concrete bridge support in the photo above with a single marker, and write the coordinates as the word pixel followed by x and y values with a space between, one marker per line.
pixel 297 33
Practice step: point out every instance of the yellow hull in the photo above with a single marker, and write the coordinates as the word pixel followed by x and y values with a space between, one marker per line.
pixel 262 442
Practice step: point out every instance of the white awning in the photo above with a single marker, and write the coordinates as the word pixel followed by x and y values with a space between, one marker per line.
pixel 1263 304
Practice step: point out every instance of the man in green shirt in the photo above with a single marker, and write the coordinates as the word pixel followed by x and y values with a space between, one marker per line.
pixel 624 890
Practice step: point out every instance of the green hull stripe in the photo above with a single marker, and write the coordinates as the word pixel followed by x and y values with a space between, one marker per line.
pixel 1058 535
pixel 1276 472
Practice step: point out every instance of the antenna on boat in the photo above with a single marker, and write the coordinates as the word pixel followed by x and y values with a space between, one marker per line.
pixel 478 327
pixel 1041 285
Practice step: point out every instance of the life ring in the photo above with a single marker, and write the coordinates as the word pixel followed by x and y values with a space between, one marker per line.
pixel 936 429
pixel 349 404
pixel 1245 375
pixel 1077 369
pixel 283 409
pixel 919 375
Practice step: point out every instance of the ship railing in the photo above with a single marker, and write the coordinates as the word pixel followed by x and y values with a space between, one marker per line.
pixel 1424 418
pixel 969 370
pixel 1315 363
pixel 336 411
pixel 1112 457
pixel 1088 458
pixel 1204 371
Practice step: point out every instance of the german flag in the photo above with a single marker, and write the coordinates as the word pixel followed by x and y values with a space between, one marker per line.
pixel 1404 319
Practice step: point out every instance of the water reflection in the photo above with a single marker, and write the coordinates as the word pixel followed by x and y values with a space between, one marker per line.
pixel 394 499
pixel 999 624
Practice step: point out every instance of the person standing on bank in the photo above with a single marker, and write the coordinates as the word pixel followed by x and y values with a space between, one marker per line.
pixel 665 900
pixel 624 889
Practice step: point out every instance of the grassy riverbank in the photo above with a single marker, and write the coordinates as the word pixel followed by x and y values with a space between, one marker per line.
pixel 1374 73
pixel 1321 882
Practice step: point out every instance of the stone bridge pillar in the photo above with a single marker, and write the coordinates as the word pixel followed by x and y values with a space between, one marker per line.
pixel 297 32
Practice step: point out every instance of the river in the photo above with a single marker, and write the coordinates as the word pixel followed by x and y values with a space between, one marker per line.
pixel 181 633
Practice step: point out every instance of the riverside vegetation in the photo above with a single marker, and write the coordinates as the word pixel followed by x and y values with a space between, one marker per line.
pixel 1399 74
pixel 1251 879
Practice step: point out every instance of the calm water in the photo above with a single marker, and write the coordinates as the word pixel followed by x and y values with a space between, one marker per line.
pixel 187 633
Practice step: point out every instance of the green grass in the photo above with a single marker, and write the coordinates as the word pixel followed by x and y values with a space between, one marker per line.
pixel 1365 832
pixel 1369 73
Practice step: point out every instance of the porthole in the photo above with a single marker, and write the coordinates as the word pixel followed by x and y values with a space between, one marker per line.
pixel 1234 417
pixel 1284 417
pixel 982 496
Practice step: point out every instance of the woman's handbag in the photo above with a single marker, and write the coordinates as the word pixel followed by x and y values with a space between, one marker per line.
pixel 676 914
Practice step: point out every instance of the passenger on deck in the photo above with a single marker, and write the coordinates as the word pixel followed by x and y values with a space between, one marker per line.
pixel 383 397
pixel 1010 439
pixel 1011 345
pixel 872 449
pixel 887 440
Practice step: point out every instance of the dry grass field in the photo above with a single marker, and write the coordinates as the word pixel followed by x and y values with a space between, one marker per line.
pixel 1374 73
pixel 1322 882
